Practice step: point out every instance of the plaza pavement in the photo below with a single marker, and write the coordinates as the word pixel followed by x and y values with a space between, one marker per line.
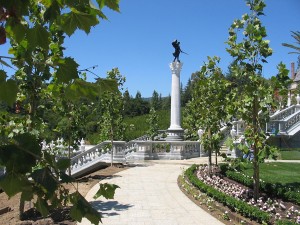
pixel 149 195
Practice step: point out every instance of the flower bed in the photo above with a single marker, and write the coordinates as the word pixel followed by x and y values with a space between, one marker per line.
pixel 286 193
pixel 239 198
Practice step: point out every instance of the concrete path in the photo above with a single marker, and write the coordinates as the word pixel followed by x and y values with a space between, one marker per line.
pixel 149 194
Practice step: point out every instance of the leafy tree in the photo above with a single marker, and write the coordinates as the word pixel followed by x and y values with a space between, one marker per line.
pixel 152 120
pixel 141 107
pixel 36 30
pixel 236 81
pixel 187 93
pixel 155 102
pixel 296 36
pixel 206 110
pixel 128 104
pixel 280 84
pixel 249 53
pixel 166 103
pixel 111 123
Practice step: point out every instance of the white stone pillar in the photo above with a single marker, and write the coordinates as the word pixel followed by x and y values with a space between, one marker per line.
pixel 289 102
pixel 175 132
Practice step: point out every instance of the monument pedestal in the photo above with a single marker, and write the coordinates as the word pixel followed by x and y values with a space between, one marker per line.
pixel 175 135
pixel 175 132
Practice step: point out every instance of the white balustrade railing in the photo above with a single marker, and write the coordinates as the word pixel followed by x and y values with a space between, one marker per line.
pixel 289 122
pixel 165 149
pixel 282 122
pixel 285 112
pixel 98 153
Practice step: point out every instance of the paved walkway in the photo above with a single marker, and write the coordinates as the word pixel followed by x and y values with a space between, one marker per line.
pixel 149 194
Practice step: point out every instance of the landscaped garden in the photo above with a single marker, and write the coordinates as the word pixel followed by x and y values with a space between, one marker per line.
pixel 48 96
pixel 229 189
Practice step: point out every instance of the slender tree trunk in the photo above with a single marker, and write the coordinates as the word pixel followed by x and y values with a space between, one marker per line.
pixel 21 208
pixel 255 149
pixel 209 154
pixel 216 158
pixel 112 146
pixel 69 155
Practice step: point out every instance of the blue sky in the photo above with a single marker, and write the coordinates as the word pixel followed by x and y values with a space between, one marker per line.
pixel 138 40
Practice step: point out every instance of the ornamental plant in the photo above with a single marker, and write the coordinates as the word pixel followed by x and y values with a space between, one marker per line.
pixel 36 30
pixel 250 50
pixel 206 110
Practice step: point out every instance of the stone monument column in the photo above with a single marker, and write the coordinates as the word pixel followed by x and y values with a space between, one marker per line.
pixel 175 132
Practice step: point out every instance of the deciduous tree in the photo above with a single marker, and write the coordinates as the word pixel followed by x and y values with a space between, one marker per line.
pixel 36 31
pixel 249 49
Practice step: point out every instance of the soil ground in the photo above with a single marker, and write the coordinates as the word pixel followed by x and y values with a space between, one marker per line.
pixel 9 208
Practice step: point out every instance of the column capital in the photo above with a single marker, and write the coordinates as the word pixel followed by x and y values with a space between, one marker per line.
pixel 176 67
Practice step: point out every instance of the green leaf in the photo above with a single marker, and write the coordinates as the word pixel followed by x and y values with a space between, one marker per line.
pixel 81 208
pixel 66 178
pixel 63 163
pixel 27 192
pixel 24 148
pixel 42 206
pixel 67 70
pixel 2 76
pixel 45 178
pixel 112 4
pixel 80 88
pixel 38 36
pixel 53 10
pixel 19 31
pixel 29 144
pixel 76 213
pixel 47 3
pixel 106 190
pixel 9 89
pixel 13 183
pixel 107 85
pixel 77 20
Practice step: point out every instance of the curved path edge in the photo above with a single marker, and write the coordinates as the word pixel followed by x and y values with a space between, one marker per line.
pixel 149 195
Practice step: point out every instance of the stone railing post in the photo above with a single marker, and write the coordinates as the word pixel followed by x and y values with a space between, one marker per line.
pixel 82 145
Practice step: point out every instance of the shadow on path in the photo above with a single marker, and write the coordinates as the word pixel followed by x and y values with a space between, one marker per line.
pixel 113 206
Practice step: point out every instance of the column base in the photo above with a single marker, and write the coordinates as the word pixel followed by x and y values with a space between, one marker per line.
pixel 175 134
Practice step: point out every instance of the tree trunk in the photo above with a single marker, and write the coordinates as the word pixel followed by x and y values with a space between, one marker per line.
pixel 255 149
pixel 69 155
pixel 112 146
pixel 216 158
pixel 255 175
pixel 209 154
pixel 21 208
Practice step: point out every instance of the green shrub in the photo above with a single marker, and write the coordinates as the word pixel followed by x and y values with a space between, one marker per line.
pixel 234 204
pixel 285 222
pixel 289 193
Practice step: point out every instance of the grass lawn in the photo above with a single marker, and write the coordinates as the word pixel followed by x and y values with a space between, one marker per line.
pixel 290 155
pixel 140 125
pixel 277 172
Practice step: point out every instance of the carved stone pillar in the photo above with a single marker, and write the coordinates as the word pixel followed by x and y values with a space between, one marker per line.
pixel 175 132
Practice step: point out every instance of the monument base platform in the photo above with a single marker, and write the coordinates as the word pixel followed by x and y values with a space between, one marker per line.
pixel 175 134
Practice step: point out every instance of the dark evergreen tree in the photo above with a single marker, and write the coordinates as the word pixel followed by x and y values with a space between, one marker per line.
pixel 155 103
pixel 187 93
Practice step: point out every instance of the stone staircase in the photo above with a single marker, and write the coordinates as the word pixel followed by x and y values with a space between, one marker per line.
pixel 285 122
pixel 284 127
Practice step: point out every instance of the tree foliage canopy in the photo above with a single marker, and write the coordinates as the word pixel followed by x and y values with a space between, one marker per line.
pixel 43 77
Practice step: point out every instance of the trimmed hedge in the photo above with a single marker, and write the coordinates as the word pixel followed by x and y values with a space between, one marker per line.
pixel 272 190
pixel 234 204
pixel 285 222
